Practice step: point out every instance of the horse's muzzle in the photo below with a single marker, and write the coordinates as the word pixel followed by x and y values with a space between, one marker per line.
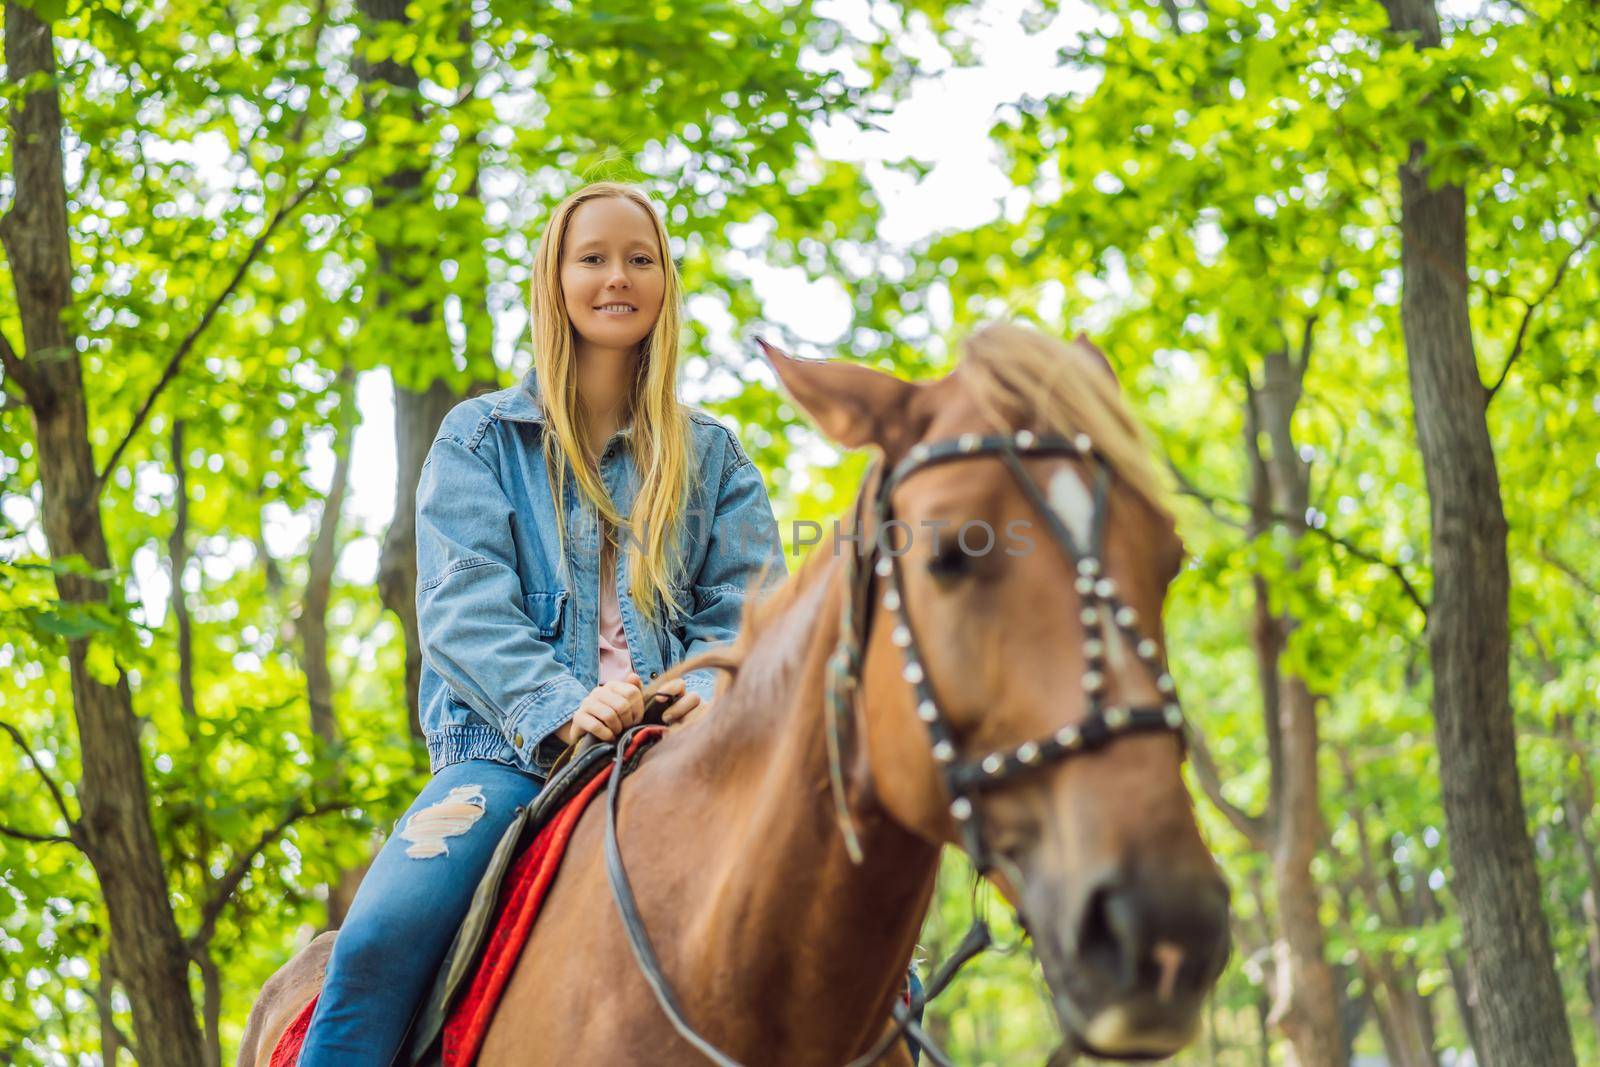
pixel 1131 957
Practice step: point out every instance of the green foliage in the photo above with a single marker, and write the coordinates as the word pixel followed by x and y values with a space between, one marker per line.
pixel 1211 196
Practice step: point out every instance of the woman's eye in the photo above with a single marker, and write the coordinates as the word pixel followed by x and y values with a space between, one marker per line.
pixel 641 261
pixel 590 258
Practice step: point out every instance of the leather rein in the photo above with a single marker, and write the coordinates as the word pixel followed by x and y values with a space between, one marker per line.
pixel 965 780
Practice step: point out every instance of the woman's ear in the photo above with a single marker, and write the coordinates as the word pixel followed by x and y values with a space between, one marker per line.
pixel 852 405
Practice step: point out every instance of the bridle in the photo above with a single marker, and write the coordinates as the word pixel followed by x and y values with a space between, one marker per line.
pixel 965 779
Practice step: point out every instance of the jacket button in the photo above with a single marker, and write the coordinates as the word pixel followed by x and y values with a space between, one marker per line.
pixel 654 673
pixel 517 741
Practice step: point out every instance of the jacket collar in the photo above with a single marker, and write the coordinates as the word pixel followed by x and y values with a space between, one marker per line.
pixel 521 404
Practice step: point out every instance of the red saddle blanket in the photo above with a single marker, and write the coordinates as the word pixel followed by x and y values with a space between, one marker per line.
pixel 521 896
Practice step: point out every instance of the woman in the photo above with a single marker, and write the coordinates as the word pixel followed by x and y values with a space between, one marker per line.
pixel 575 535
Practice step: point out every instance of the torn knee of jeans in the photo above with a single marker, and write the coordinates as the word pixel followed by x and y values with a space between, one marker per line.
pixel 450 817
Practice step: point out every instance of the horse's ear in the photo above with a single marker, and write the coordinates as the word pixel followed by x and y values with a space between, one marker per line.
pixel 852 405
pixel 1093 350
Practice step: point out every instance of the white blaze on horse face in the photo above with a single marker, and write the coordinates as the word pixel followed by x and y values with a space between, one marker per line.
pixel 1070 500
pixel 451 817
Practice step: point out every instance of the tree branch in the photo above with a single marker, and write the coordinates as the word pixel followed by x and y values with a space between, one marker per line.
pixel 215 306
pixel 1308 332
pixel 38 839
pixel 1527 315
pixel 224 888
pixel 1570 571
pixel 1253 827
pixel 1307 336
pixel 55 790
pixel 1377 560
pixel 102 1004
pixel 1211 501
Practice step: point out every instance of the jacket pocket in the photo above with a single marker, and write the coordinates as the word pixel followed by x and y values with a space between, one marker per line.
pixel 545 610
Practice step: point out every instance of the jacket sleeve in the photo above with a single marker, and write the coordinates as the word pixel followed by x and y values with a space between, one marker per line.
pixel 744 557
pixel 470 618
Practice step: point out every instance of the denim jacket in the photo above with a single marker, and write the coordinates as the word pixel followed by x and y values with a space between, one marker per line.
pixel 509 649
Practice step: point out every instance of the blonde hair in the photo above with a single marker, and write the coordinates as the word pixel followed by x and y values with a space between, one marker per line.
pixel 661 442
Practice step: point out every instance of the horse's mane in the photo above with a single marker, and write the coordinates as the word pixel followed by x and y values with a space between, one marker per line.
pixel 1020 379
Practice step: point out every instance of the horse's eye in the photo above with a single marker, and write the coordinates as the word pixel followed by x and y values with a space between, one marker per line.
pixel 951 562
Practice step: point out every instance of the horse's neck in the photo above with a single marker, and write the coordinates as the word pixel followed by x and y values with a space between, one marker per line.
pixel 830 938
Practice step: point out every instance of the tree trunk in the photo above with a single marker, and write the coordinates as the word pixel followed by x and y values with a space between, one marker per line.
pixel 211 982
pixel 1405 1016
pixel 1466 999
pixel 1521 1011
pixel 312 629
pixel 1394 999
pixel 420 400
pixel 178 562
pixel 313 621
pixel 1306 1007
pixel 416 419
pixel 147 950
pixel 1578 802
pixel 178 600
pixel 110 1036
pixel 1591 928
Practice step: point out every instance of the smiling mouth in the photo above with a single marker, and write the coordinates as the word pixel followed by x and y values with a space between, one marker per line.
pixel 616 309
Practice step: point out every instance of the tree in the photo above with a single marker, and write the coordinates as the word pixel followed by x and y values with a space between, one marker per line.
pixel 114 828
pixel 1508 942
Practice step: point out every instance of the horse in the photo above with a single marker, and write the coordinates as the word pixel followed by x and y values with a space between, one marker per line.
pixel 885 701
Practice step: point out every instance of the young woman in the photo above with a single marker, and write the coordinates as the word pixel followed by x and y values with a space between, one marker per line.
pixel 575 535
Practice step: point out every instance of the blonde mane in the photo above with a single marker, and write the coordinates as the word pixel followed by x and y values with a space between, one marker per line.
pixel 1022 379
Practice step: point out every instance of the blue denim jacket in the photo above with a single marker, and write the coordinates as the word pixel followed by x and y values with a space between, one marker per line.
pixel 508 649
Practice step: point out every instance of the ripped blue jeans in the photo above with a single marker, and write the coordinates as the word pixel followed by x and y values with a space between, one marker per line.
pixel 406 912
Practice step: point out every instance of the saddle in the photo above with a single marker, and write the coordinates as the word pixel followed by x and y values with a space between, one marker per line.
pixel 574 777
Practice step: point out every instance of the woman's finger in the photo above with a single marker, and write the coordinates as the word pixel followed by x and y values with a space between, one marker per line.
pixel 681 707
pixel 635 707
pixel 590 724
pixel 609 699
pixel 632 698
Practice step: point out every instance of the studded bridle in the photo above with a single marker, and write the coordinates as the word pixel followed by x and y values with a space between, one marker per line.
pixel 967 779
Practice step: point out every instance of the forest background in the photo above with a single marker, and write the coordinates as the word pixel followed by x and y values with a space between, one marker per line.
pixel 1341 255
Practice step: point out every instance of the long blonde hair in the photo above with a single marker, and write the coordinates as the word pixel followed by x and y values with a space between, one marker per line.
pixel 660 433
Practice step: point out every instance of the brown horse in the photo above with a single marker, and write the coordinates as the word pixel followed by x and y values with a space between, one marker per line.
pixel 779 946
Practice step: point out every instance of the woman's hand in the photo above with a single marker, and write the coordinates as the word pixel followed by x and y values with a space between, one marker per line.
pixel 683 702
pixel 607 711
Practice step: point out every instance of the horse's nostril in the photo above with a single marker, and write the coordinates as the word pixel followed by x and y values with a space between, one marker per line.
pixel 1108 935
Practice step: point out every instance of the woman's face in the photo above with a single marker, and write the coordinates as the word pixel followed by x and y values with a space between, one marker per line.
pixel 611 273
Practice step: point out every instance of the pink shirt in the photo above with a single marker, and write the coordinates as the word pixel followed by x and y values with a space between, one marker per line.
pixel 615 663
